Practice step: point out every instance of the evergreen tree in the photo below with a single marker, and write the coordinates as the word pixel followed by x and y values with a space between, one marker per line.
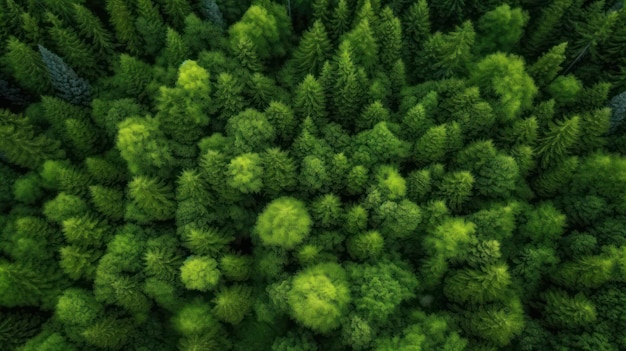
pixel 175 51
pixel 121 18
pixel 313 50
pixel 144 146
pixel 546 68
pixel 247 56
pixel 389 37
pixel 73 50
pixel 152 200
pixel 68 84
pixel 22 146
pixel 547 23
pixel 92 29
pixel 363 44
pixel 416 29
pixel 347 98
pixel 555 145
pixel 310 101
pixel 340 22
pixel 176 11
pixel 212 12
pixel 490 25
pixel 27 67
pixel 150 27
pixel 445 55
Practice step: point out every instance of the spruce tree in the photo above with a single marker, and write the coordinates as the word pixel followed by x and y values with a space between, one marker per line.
pixel 313 50
pixel 92 29
pixel 27 67
pixel 310 101
pixel 347 98
pixel 389 37
pixel 68 84
pixel 22 146
pixel 121 18
pixel 212 12
pixel 150 27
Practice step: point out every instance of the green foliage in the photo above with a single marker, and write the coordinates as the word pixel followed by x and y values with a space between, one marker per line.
pixel 319 297
pixel 285 223
pixel 312 175
pixel 200 273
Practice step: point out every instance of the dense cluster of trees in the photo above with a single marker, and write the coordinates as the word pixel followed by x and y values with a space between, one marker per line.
pixel 384 175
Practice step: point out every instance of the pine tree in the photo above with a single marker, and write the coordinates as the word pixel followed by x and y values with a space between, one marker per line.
pixel 92 29
pixel 555 145
pixel 247 56
pixel 416 29
pixel 175 51
pixel 184 109
pixel 492 37
pixel 363 44
pixel 549 22
pixel 121 18
pixel 152 199
pixel 150 27
pixel 313 50
pixel 73 50
pixel 20 144
pixel 389 37
pixel 27 67
pixel 348 94
pixel 228 99
pixel 445 55
pixel 212 12
pixel 144 146
pixel 31 27
pixel 310 101
pixel 69 85
pixel 176 11
pixel 340 22
pixel 132 76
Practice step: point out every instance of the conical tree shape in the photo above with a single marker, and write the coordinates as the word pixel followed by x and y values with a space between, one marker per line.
pixel 310 101
pixel 27 67
pixel 313 50
pixel 68 84
pixel 22 146
pixel 389 37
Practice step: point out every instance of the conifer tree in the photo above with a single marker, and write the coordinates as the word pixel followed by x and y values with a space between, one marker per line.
pixel 183 109
pixel 389 37
pixel 92 29
pixel 176 11
pixel 27 66
pixel 228 97
pixel 416 29
pixel 445 55
pixel 340 21
pixel 121 18
pixel 313 50
pixel 546 68
pixel 152 199
pixel 347 98
pixel 547 23
pixel 556 144
pixel 73 50
pixel 247 56
pixel 175 51
pixel 363 44
pixel 310 101
pixel 68 84
pixel 22 146
pixel 492 37
pixel 150 27
pixel 144 146
pixel 31 27
pixel 212 12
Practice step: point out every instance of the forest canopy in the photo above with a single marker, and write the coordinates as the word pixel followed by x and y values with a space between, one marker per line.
pixel 337 175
